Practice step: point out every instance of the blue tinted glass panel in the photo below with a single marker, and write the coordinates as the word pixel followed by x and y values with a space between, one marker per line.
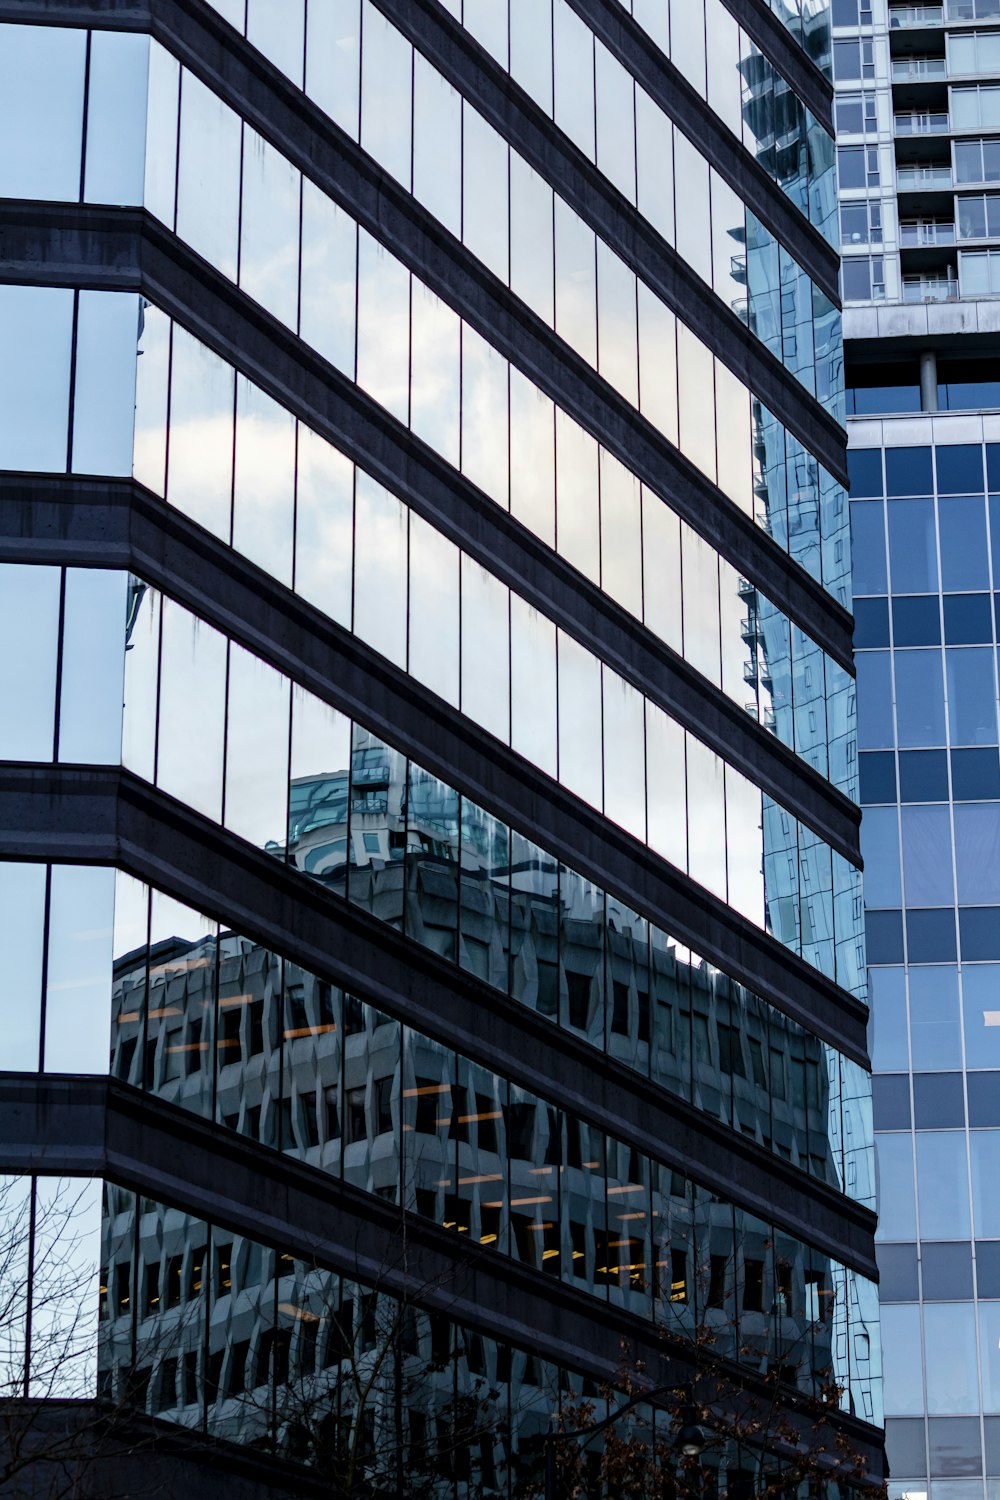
pixel 984 1100
pixel 908 471
pixel 935 1017
pixel 897 1266
pixel 902 1356
pixel 912 547
pixel 868 549
pixel 897 1213
pixel 977 853
pixel 964 554
pixel 972 696
pixel 960 469
pixel 930 936
pixel 919 698
pixel 947 1273
pixel 880 850
pixel 981 1015
pixel 942 1184
pixel 864 470
pixel 993 466
pixel 871 623
pixel 979 927
pixel 891 1101
pixel 938 1101
pixel 884 937
pixel 916 620
pixel 926 834
pixel 975 774
pixel 887 997
pixel 923 776
pixel 968 619
pixel 877 777
pixel 875 730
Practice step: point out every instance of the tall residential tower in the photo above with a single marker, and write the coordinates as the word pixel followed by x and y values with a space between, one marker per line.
pixel 918 130
pixel 437 994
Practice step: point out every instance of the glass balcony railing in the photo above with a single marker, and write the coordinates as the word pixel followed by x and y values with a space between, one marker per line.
pixel 928 123
pixel 916 15
pixel 910 178
pixel 917 69
pixel 930 289
pixel 927 232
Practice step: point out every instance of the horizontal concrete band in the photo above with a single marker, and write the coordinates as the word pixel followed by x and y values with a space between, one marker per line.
pixel 109 816
pixel 347 673
pixel 678 98
pixel 281 112
pixel 792 60
pixel 68 244
pixel 60 1125
pixel 117 523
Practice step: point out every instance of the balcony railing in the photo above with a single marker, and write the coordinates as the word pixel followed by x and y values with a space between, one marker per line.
pixel 928 232
pixel 916 15
pixel 930 289
pixel 911 69
pixel 927 123
pixel 910 178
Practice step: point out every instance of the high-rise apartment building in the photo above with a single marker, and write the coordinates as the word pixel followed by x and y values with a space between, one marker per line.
pixel 918 130
pixel 429 892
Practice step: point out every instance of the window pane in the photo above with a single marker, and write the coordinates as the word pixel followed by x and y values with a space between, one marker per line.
pixel 22 933
pixel 41 111
pixel 208 185
pixel 78 989
pixel 35 330
pixel 90 703
pixel 943 1186
pixel 29 646
pixel 104 396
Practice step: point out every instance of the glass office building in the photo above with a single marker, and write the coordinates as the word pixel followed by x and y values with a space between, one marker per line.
pixel 429 851
pixel 917 130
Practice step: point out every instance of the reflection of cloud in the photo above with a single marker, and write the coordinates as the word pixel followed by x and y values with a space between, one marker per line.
pixel 485 649
pixel 434 610
pixel 624 755
pixel 380 569
pixel 617 333
pixel 485 457
pixel 269 228
pixel 532 439
pixel 199 480
pixel 383 326
pixel 706 817
pixel 263 514
pixel 435 399
pixel 324 526
pixel 329 278
pixel 577 514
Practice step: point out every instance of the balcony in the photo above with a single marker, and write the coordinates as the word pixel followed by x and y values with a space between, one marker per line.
pixel 917 179
pixel 919 69
pixel 915 234
pixel 930 289
pixel 921 123
pixel 916 15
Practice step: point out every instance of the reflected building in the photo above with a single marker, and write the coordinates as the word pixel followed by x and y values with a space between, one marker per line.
pixel 917 131
pixel 430 875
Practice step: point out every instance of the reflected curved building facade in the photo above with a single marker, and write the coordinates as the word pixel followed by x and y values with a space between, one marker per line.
pixel 429 867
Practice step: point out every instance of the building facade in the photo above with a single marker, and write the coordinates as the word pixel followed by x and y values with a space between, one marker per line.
pixel 429 854
pixel 918 137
